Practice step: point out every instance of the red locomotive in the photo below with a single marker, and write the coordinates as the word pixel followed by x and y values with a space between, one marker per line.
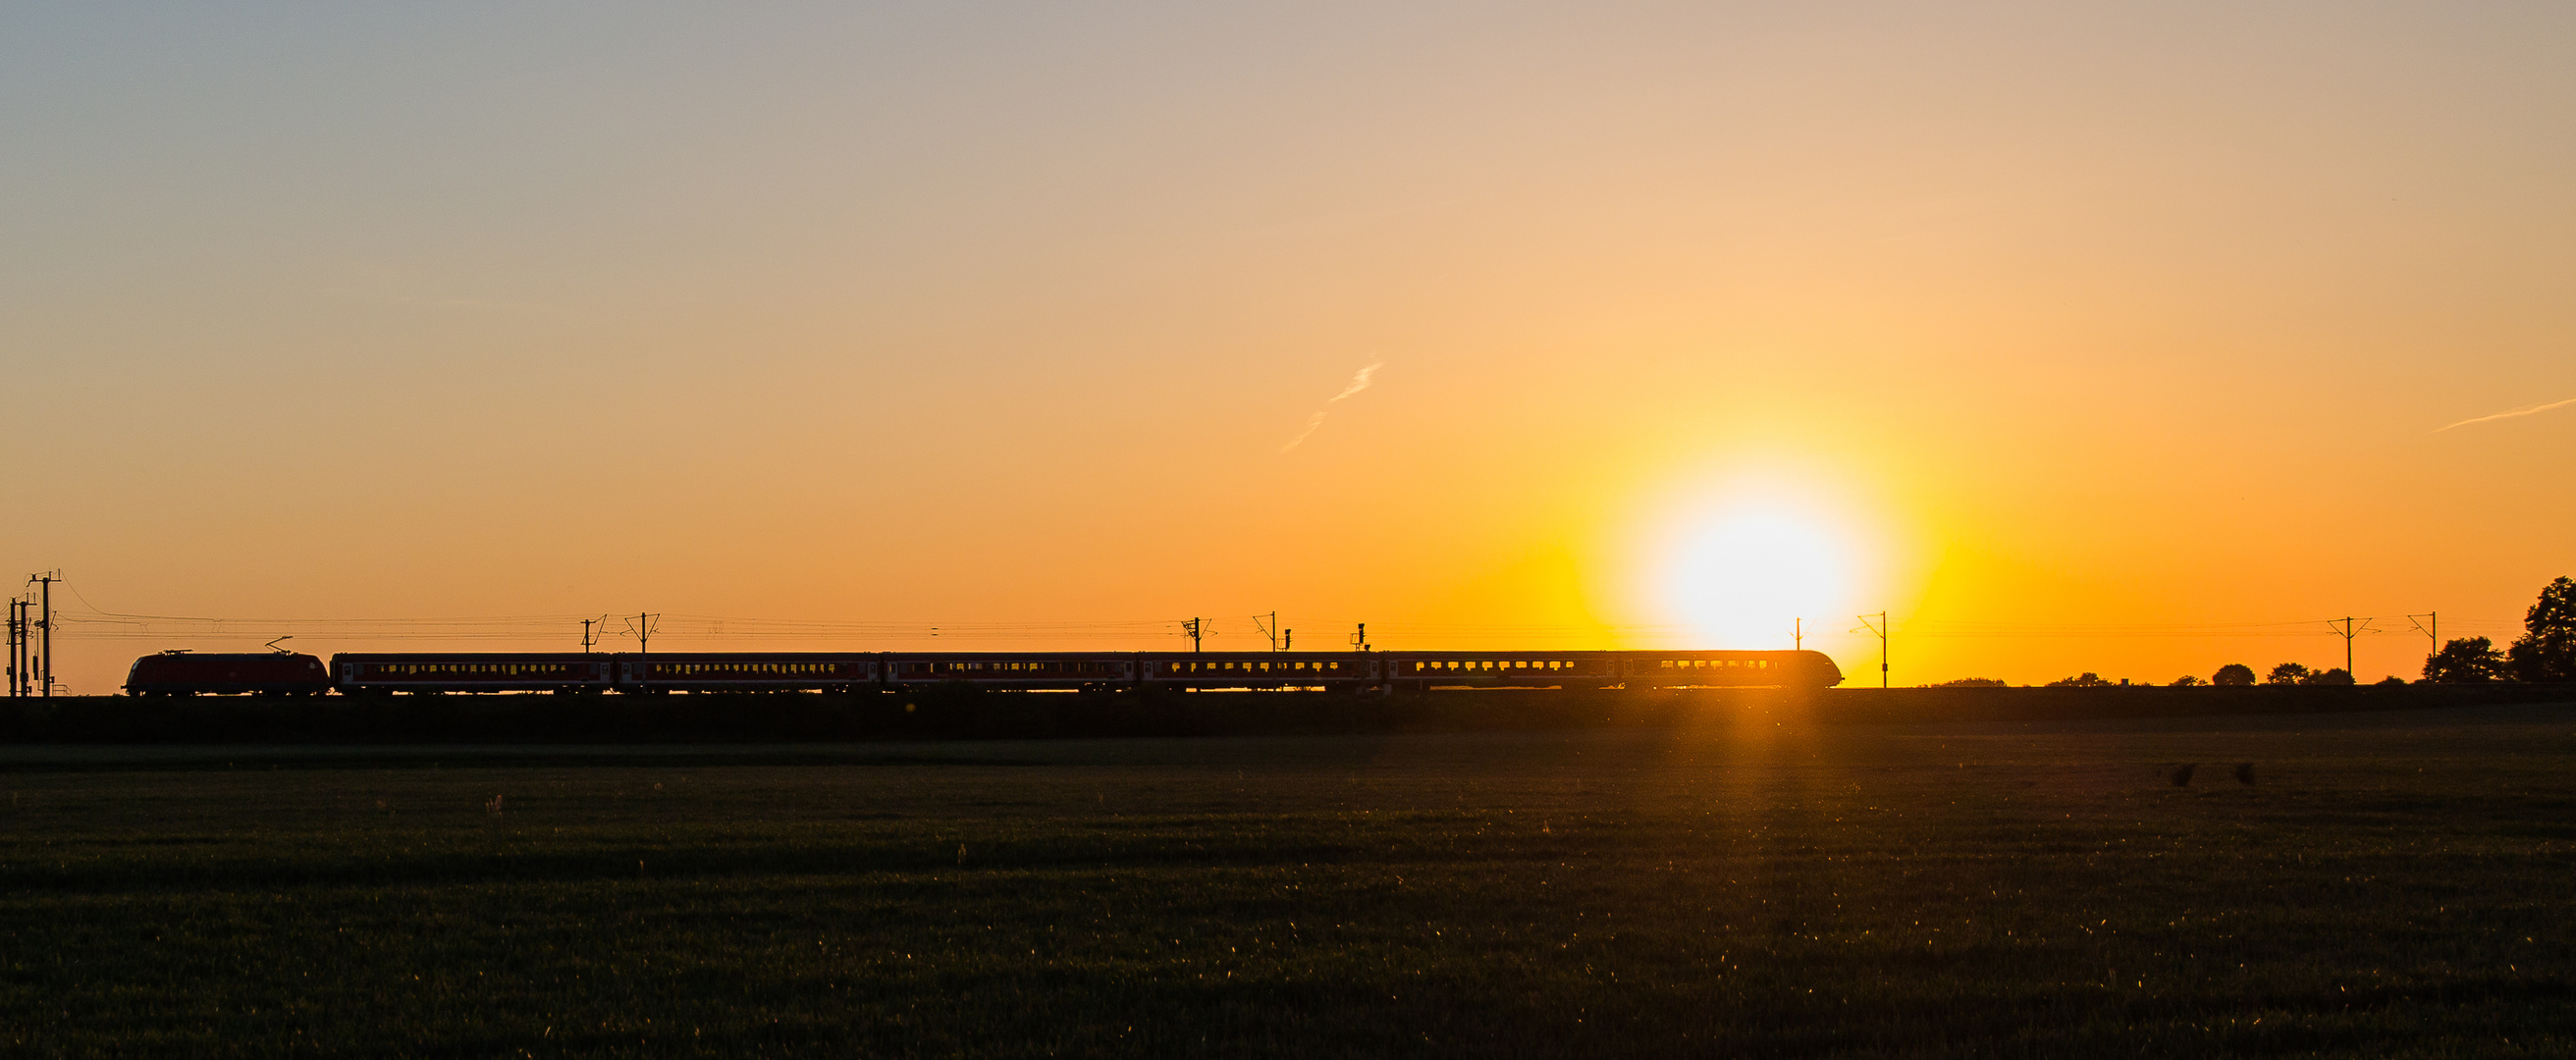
pixel 184 673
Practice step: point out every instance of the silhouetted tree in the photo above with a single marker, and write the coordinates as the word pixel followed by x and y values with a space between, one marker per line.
pixel 2187 681
pixel 2546 651
pixel 2336 676
pixel 2289 674
pixel 1970 682
pixel 2234 675
pixel 2087 679
pixel 2466 661
pixel 2391 679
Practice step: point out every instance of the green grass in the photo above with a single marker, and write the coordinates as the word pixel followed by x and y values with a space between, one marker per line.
pixel 1746 885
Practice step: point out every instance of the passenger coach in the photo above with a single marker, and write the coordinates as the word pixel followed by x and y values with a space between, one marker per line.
pixel 471 672
pixel 739 672
pixel 1074 671
pixel 1265 669
pixel 1609 669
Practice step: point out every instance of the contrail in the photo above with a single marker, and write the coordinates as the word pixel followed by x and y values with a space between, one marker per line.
pixel 2511 413
pixel 1359 383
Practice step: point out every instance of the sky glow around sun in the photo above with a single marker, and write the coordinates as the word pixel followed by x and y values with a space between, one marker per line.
pixel 1741 574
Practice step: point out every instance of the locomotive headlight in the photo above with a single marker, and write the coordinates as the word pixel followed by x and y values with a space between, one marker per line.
pixel 1740 576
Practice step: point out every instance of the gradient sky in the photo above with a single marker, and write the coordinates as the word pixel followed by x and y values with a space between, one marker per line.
pixel 2111 337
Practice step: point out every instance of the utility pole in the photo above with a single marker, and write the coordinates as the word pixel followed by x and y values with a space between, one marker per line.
pixel 2347 633
pixel 2431 625
pixel 1270 629
pixel 586 639
pixel 644 650
pixel 1191 628
pixel 45 622
pixel 1880 628
pixel 1360 639
pixel 1799 635
pixel 17 647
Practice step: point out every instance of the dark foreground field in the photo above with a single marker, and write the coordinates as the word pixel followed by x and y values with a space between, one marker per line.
pixel 1736 884
pixel 965 714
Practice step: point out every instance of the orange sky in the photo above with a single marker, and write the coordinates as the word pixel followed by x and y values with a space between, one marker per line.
pixel 2116 339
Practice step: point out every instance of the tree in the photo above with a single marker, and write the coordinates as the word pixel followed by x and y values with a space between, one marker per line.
pixel 2087 679
pixel 2289 674
pixel 1970 682
pixel 2466 661
pixel 2234 675
pixel 2188 681
pixel 2546 651
pixel 2336 676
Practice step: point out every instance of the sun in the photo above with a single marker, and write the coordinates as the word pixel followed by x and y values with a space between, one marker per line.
pixel 1741 575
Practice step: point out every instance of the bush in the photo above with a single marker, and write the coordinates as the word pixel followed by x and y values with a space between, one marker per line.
pixel 2465 661
pixel 2290 674
pixel 1970 682
pixel 2234 675
pixel 2188 681
pixel 2087 679
pixel 2336 676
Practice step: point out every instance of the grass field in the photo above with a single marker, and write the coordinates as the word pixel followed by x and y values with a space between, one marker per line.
pixel 1743 884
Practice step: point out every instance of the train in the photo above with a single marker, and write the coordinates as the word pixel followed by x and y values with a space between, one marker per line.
pixel 182 673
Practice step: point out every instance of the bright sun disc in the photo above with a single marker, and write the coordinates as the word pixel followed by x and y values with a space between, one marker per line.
pixel 1741 578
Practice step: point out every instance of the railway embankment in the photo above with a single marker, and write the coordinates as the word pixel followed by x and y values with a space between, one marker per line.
pixel 952 714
